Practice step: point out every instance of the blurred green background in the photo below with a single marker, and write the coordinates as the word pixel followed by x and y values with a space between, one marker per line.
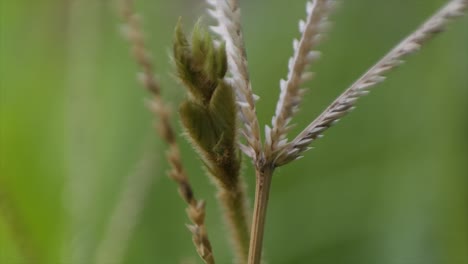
pixel 388 185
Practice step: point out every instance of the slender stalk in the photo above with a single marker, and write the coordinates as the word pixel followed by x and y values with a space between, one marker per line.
pixel 195 208
pixel 237 217
pixel 262 192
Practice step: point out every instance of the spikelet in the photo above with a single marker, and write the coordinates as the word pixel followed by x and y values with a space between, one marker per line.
pixel 209 116
pixel 209 113
pixel 227 13
pixel 290 97
pixel 345 102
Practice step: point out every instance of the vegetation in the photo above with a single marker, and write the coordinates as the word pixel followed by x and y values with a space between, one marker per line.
pixel 94 223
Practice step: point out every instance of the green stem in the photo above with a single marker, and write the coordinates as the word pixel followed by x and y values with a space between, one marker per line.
pixel 262 191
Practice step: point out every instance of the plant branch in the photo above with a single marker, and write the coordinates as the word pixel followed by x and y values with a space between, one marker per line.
pixel 346 101
pixel 312 30
pixel 262 192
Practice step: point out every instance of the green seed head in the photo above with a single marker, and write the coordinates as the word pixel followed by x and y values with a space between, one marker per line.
pixel 209 114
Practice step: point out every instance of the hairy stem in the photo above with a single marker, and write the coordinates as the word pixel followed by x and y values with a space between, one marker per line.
pixel 236 213
pixel 262 192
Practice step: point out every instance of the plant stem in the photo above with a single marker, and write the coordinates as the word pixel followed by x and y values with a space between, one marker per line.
pixel 262 191
pixel 237 217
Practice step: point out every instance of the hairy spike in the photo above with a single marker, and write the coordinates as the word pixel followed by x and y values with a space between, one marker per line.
pixel 227 14
pixel 344 103
pixel 209 116
pixel 304 55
